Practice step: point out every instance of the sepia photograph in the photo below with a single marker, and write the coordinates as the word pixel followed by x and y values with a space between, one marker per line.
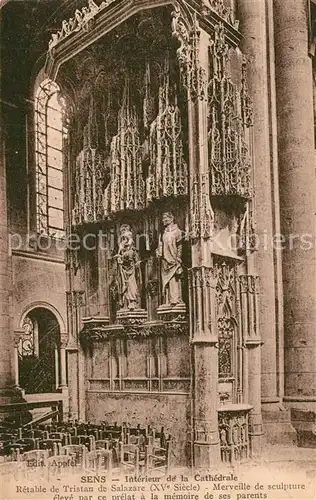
pixel 157 249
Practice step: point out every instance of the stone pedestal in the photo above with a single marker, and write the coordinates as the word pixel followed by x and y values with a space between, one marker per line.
pixel 131 317
pixel 166 312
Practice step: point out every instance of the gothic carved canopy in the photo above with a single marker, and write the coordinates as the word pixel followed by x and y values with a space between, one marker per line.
pixel 142 75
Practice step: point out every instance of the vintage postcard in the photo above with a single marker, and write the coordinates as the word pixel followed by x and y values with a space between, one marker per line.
pixel 157 250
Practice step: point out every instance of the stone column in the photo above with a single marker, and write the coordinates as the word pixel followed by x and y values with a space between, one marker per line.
pixel 17 338
pixel 63 344
pixel 194 65
pixel 253 26
pixel 6 339
pixel 294 86
pixel 56 368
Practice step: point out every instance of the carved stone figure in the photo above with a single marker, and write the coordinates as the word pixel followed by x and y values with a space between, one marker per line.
pixel 127 259
pixel 170 252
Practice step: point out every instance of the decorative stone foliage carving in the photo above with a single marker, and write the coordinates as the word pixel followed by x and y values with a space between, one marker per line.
pixel 26 347
pixel 218 6
pixel 98 332
pixel 82 20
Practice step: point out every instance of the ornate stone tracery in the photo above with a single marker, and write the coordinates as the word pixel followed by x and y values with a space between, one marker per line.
pixel 226 316
pixel 192 74
pixel 175 135
pixel 218 6
pixel 168 174
pixel 229 116
pixel 90 175
pixel 126 190
pixel 234 440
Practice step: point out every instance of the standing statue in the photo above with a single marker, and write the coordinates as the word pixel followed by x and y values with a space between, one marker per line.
pixel 170 251
pixel 127 259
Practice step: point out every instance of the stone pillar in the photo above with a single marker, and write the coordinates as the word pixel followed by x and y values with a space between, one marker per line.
pixel 253 26
pixel 194 65
pixel 205 349
pixel 294 86
pixel 63 344
pixel 56 368
pixel 206 437
pixel 16 360
pixel 17 339
pixel 6 339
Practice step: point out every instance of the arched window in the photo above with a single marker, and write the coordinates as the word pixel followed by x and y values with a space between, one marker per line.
pixel 50 130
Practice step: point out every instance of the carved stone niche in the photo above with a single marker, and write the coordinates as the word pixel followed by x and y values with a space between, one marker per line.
pixel 128 279
pixel 169 252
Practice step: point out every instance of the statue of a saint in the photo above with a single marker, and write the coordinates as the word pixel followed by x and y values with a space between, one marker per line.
pixel 127 258
pixel 170 252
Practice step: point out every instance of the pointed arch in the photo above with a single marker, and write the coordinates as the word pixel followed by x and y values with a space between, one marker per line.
pixel 50 130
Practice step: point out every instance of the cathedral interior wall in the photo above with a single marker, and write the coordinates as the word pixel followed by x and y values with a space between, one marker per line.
pixel 37 282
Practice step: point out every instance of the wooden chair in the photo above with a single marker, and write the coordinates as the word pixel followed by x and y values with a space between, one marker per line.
pixel 102 444
pixel 53 445
pixel 158 459
pixel 34 434
pixel 88 441
pixel 28 444
pixel 56 435
pixel 129 458
pixel 100 461
pixel 7 437
pixel 78 451
pixel 35 458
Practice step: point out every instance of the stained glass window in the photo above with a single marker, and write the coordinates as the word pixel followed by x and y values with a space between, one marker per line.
pixel 50 130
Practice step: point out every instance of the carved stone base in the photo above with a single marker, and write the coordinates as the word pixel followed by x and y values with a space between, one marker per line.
pixel 134 317
pixel 167 312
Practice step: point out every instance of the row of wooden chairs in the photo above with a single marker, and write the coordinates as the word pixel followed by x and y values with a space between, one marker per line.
pixel 125 458
pixel 134 448
pixel 46 437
